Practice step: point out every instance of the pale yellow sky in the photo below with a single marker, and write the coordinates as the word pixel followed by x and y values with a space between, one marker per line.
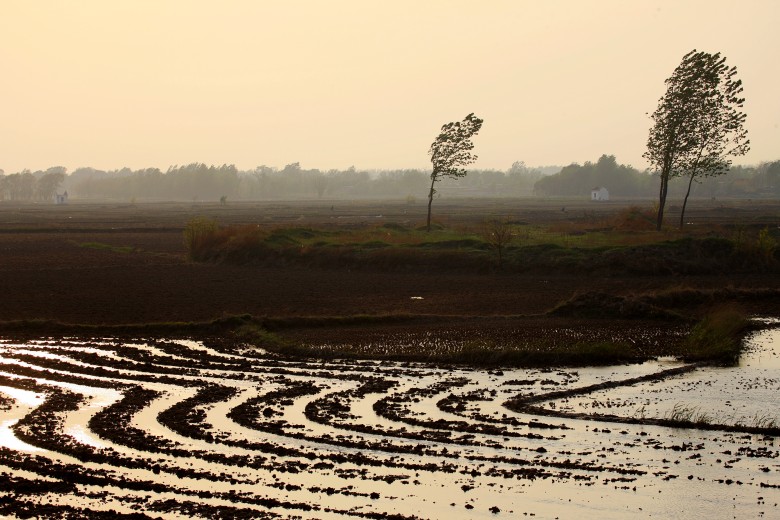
pixel 329 84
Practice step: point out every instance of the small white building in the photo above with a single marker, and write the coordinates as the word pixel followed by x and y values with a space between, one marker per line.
pixel 61 199
pixel 599 193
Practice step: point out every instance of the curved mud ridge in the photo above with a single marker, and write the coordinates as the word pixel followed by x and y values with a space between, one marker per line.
pixel 215 429
pixel 528 404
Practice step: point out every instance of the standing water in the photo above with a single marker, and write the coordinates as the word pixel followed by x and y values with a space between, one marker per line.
pixel 180 429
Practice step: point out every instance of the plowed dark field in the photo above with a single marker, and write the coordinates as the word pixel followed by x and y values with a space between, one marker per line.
pixel 55 263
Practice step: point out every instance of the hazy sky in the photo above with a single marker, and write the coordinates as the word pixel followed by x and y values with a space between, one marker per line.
pixel 330 84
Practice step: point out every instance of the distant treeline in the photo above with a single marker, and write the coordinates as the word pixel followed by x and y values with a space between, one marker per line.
pixel 200 182
pixel 624 181
pixel 28 186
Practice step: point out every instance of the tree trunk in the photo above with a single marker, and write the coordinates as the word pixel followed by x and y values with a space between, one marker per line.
pixel 662 200
pixel 685 201
pixel 430 200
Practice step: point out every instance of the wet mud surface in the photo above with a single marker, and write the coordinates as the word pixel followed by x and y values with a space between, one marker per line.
pixel 143 428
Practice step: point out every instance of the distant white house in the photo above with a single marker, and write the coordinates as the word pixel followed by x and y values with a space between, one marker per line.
pixel 599 193
pixel 61 199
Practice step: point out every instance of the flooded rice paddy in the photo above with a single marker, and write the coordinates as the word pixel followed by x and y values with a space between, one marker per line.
pixel 213 429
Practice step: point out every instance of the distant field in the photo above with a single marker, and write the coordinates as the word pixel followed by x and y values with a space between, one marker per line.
pixel 455 212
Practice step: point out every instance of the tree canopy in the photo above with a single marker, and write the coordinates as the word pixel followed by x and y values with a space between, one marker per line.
pixel 451 151
pixel 698 124
pixel 578 180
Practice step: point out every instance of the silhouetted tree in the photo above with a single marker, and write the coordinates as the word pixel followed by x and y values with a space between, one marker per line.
pixel 49 182
pixel 577 181
pixel 20 186
pixel 771 174
pixel 451 151
pixel 697 124
pixel 522 178
pixel 320 181
pixel 498 234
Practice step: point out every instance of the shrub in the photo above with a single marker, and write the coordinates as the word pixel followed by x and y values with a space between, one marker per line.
pixel 196 232
pixel 717 338
pixel 498 234
pixel 766 245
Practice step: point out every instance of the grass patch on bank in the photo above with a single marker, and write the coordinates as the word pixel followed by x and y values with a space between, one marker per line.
pixel 525 248
pixel 687 416
pixel 717 338
pixel 107 247
pixel 38 327
pixel 681 413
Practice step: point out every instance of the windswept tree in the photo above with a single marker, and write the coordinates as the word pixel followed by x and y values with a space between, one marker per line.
pixel 451 151
pixel 721 133
pixel 698 124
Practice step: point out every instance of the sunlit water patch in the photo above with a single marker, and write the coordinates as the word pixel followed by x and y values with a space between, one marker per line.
pixel 186 429
pixel 743 395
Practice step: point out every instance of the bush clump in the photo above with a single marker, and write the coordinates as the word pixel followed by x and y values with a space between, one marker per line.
pixel 198 233
pixel 394 247
pixel 717 338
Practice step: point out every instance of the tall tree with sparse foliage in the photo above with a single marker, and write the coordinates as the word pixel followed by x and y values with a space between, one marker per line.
pixel 451 151
pixel 698 124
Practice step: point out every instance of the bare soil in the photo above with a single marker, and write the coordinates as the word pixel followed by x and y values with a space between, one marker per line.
pixel 52 265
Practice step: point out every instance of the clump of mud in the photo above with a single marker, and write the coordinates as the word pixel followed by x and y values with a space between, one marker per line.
pixel 601 305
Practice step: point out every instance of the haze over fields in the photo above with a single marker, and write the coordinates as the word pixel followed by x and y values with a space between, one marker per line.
pixel 345 82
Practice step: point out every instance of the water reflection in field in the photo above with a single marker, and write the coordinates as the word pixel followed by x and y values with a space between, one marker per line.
pixel 741 395
pixel 183 428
